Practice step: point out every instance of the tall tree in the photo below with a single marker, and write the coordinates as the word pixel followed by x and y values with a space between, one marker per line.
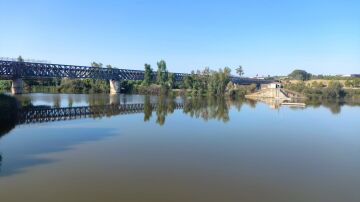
pixel 162 74
pixel 171 80
pixel 240 70
pixel 147 75
pixel 20 59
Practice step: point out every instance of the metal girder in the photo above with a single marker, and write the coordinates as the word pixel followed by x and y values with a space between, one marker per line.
pixel 30 70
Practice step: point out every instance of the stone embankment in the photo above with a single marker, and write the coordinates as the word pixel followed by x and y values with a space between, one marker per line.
pixel 275 93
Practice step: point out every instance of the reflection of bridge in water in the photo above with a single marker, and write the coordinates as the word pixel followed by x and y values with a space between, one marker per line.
pixel 47 114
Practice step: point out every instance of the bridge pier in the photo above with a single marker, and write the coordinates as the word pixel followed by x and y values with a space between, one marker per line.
pixel 114 87
pixel 17 86
pixel 114 99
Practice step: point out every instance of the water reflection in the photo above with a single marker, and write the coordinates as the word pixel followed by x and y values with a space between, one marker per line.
pixel 334 105
pixel 22 110
pixel 0 162
pixel 210 108
pixel 255 151
pixel 8 114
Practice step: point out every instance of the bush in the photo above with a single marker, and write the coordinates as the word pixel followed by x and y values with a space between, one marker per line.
pixel 5 85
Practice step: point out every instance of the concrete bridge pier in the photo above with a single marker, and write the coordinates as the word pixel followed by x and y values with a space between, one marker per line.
pixel 17 86
pixel 114 99
pixel 114 87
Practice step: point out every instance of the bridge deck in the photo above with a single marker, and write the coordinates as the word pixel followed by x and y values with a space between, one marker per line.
pixel 29 70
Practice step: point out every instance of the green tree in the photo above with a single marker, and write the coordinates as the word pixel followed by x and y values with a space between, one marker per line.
pixel 99 86
pixel 334 90
pixel 301 75
pixel 96 65
pixel 147 75
pixel 188 81
pixel 20 59
pixel 171 80
pixel 162 73
pixel 240 71
pixel 5 85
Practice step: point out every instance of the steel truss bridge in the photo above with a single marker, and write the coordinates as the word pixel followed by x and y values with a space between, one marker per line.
pixel 31 70
pixel 42 114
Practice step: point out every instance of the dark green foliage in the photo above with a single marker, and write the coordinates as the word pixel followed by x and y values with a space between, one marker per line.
pixel 300 75
pixel 188 81
pixel 333 90
pixel 147 108
pixel 5 85
pixel 240 71
pixel 171 81
pixel 162 73
pixel 8 113
pixel 20 59
pixel 147 75
pixel 237 91
pixel 208 81
pixel 130 86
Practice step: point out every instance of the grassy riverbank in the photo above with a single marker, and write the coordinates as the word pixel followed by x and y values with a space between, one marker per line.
pixel 330 89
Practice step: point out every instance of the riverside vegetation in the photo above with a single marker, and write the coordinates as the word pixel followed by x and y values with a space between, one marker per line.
pixel 200 82
pixel 324 87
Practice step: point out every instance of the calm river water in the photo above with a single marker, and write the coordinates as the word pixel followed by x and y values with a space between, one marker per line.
pixel 129 148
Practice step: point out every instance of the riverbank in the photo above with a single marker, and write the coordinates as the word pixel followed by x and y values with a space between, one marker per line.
pixel 315 90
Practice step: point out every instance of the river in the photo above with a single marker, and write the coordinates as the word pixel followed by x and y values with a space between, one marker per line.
pixel 74 147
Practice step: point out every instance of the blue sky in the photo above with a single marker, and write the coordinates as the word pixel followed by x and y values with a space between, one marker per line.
pixel 265 37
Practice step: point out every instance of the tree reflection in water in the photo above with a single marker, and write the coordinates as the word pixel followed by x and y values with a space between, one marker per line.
pixel 100 106
pixel 0 161
pixel 147 108
pixel 198 107
pixel 207 108
pixel 164 106
pixel 8 113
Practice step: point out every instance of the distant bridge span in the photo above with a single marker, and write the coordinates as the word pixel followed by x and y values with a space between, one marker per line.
pixel 17 71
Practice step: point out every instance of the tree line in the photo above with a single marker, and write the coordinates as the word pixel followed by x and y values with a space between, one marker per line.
pixel 161 81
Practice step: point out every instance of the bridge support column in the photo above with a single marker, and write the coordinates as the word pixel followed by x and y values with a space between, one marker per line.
pixel 17 86
pixel 114 87
pixel 114 99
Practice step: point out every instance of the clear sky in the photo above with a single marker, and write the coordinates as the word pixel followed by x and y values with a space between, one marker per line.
pixel 265 37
